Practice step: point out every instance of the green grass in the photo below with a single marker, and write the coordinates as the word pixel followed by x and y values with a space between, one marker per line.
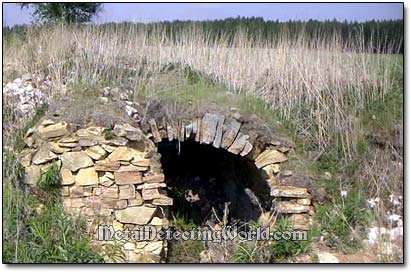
pixel 284 249
pixel 275 251
pixel 344 219
pixel 180 251
pixel 37 231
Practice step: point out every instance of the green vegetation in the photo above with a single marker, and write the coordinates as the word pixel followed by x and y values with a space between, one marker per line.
pixel 184 251
pixel 284 249
pixel 273 251
pixel 37 231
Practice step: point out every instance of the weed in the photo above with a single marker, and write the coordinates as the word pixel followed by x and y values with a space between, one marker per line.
pixel 246 253
pixel 343 219
pixel 108 134
pixel 283 249
pixel 184 251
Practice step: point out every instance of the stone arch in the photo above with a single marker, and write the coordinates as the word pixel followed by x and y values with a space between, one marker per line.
pixel 114 177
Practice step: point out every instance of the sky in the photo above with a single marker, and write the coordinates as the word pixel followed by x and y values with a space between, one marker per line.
pixel 151 12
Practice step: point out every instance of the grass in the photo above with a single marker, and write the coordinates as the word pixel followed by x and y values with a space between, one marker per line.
pixel 184 251
pixel 344 220
pixel 285 249
pixel 273 251
pixel 375 171
pixel 37 231
pixel 320 85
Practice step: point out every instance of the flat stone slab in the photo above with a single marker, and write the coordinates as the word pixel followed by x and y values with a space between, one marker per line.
pixel 124 154
pixel 139 215
pixel 87 176
pixel 96 152
pixel 290 207
pixel 67 178
pixel 219 132
pixel 289 191
pixel 43 155
pixel 128 177
pixel 208 128
pixel 53 131
pixel 231 130
pixel 269 157
pixel 238 144
pixel 76 160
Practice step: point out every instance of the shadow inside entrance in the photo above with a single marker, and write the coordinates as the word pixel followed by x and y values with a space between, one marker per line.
pixel 203 180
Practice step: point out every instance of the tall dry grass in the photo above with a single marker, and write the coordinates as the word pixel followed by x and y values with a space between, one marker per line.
pixel 319 86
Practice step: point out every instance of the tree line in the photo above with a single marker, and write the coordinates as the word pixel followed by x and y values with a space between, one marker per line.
pixel 380 36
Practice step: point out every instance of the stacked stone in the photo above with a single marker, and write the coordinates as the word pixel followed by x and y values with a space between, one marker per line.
pixel 213 129
pixel 293 202
pixel 106 180
pixel 114 177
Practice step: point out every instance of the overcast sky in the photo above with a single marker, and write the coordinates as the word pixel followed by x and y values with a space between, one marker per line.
pixel 118 12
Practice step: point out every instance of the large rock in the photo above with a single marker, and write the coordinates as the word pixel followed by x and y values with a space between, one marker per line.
pixel 80 191
pixel 87 176
pixel 107 165
pixel 125 154
pixel 43 155
pixel 208 128
pixel 247 149
pixel 219 132
pixel 127 191
pixel 269 157
pixel 55 148
pixel 137 201
pixel 96 152
pixel 163 201
pixel 289 191
pixel 230 132
pixel 110 192
pixel 154 178
pixel 67 177
pixel 239 143
pixel 128 131
pixel 271 170
pixel 154 247
pixel 150 194
pixel 87 142
pixel 53 131
pixel 129 177
pixel 290 207
pixel 139 215
pixel 76 160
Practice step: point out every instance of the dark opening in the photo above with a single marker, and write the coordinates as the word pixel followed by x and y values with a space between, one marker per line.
pixel 203 179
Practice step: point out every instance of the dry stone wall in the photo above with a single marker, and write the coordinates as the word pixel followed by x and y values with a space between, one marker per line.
pixel 113 176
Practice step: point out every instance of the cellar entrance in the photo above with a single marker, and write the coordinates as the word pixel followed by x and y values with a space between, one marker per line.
pixel 207 182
